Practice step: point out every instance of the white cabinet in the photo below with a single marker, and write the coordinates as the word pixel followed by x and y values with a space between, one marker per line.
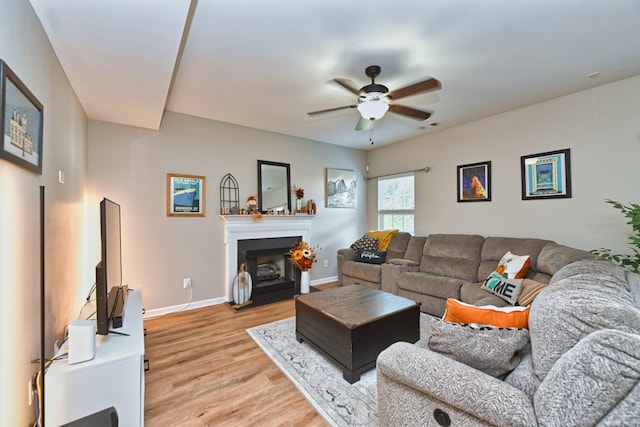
pixel 114 377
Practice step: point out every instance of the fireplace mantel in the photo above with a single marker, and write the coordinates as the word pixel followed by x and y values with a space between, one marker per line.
pixel 241 227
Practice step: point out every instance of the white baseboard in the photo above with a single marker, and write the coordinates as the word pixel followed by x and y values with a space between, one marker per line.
pixel 156 312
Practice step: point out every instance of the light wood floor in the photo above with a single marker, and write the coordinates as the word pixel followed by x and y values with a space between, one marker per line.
pixel 206 371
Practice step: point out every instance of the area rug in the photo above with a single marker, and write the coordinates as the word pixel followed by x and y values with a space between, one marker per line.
pixel 318 378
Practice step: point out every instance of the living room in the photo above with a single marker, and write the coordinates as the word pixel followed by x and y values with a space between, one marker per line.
pixel 129 164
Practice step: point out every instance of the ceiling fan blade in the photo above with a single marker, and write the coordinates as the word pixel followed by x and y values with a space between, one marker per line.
pixel 348 85
pixel 328 110
pixel 423 86
pixel 364 124
pixel 413 113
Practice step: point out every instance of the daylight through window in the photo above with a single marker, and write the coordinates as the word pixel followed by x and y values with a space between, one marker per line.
pixel 396 202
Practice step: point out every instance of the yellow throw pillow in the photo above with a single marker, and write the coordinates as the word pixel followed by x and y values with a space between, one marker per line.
pixel 503 317
pixel 384 238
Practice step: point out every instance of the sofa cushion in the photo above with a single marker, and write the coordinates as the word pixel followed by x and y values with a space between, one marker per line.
pixel 384 237
pixel 590 380
pixel 581 298
pixel 365 242
pixel 491 350
pixel 505 317
pixel 428 284
pixel 452 255
pixel 495 247
pixel 415 248
pixel 472 293
pixel 398 245
pixel 361 270
pixel 370 257
pixel 554 256
pixel 507 289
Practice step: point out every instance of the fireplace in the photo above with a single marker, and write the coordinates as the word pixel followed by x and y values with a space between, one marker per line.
pixel 274 278
pixel 270 228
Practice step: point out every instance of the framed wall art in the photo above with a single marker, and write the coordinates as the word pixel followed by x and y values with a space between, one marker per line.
pixel 474 182
pixel 546 175
pixel 341 188
pixel 21 122
pixel 186 195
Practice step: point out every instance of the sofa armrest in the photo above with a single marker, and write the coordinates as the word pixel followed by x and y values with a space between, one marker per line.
pixel 345 254
pixel 392 269
pixel 414 383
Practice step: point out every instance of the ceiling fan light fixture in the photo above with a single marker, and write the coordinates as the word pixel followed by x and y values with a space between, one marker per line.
pixel 373 109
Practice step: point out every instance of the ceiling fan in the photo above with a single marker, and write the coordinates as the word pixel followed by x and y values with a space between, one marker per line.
pixel 374 100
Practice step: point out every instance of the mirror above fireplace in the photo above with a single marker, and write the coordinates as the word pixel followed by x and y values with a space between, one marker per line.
pixel 274 186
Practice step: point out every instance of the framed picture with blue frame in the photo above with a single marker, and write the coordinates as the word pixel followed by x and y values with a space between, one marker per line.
pixel 546 175
pixel 474 182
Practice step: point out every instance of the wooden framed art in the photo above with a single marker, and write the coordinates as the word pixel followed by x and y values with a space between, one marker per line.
pixel 546 175
pixel 341 188
pixel 186 195
pixel 474 182
pixel 21 122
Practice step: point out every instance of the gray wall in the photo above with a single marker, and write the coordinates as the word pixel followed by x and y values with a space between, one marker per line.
pixel 599 125
pixel 129 165
pixel 26 49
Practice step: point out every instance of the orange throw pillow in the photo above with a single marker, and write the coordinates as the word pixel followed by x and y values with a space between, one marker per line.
pixel 503 317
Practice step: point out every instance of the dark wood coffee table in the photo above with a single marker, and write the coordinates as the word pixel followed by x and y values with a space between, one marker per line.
pixel 353 324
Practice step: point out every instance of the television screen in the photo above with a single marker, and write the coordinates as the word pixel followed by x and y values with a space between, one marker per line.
pixel 109 269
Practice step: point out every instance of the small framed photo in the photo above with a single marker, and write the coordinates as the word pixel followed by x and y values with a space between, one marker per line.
pixel 186 195
pixel 474 182
pixel 20 121
pixel 546 175
pixel 341 188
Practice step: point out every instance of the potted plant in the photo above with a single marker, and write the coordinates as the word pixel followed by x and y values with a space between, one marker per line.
pixel 632 261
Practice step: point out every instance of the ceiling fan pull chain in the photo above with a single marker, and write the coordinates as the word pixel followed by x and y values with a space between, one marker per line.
pixel 371 131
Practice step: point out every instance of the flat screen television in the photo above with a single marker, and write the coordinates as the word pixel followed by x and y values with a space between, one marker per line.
pixel 109 269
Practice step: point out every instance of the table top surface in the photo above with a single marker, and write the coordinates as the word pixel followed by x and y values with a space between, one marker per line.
pixel 355 305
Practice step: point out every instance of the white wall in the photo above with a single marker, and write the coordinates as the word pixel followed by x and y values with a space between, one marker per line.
pixel 599 125
pixel 129 166
pixel 26 49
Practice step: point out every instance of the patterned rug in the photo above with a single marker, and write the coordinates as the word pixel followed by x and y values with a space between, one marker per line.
pixel 318 378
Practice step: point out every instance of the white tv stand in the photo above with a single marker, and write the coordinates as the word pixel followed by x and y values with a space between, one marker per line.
pixel 114 377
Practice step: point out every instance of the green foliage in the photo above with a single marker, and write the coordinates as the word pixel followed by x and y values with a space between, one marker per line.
pixel 631 262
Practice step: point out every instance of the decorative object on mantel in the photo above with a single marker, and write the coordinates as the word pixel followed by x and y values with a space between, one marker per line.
pixel 299 192
pixel 302 255
pixel 241 288
pixel 21 119
pixel 252 205
pixel 341 188
pixel 229 196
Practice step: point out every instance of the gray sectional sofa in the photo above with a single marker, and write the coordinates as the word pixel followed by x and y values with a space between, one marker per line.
pixel 440 266
pixel 580 368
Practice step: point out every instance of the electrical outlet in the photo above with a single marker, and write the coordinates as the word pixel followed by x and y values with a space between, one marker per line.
pixel 186 283
pixel 326 263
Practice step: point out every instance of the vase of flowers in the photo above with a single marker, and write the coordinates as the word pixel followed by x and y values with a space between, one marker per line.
pixel 302 255
pixel 299 192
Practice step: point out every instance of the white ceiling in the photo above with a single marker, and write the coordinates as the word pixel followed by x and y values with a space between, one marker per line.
pixel 265 64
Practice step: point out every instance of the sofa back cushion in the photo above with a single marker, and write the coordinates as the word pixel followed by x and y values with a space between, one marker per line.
pixel 398 245
pixel 415 248
pixel 452 255
pixel 494 249
pixel 554 256
pixel 581 298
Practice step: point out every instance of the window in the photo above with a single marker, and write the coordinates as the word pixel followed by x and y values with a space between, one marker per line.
pixel 396 203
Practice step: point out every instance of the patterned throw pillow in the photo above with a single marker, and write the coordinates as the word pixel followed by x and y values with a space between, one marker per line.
pixel 513 266
pixel 365 242
pixel 507 289
pixel 370 257
pixel 505 317
pixel 492 350
pixel 530 290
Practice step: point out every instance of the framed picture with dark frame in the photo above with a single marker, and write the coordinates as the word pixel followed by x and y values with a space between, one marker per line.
pixel 474 182
pixel 546 175
pixel 186 195
pixel 21 122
